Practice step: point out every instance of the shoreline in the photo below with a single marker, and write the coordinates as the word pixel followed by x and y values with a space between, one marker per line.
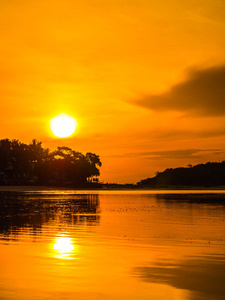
pixel 5 188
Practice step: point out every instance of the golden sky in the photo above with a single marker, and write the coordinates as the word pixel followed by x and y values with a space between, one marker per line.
pixel 145 79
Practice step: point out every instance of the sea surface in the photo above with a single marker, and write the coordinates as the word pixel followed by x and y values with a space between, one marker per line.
pixel 66 244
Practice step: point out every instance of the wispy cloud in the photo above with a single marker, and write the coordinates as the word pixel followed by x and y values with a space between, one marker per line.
pixel 171 154
pixel 182 133
pixel 203 93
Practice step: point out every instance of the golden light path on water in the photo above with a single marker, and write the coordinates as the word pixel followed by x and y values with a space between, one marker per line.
pixel 63 247
pixel 112 245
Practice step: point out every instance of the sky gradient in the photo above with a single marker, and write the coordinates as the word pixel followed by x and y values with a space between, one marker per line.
pixel 144 79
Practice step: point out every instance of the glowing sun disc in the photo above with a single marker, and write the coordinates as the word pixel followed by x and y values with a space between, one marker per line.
pixel 63 125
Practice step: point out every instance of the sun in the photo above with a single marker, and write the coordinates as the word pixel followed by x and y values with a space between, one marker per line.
pixel 63 125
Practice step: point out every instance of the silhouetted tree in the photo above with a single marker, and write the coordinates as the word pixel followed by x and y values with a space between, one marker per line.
pixel 22 164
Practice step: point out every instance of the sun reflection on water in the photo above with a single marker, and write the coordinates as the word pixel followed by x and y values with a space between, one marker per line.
pixel 64 247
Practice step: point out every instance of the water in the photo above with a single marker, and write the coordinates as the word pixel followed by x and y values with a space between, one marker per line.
pixel 112 245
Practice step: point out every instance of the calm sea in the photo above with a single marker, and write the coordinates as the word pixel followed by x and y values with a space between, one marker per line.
pixel 112 245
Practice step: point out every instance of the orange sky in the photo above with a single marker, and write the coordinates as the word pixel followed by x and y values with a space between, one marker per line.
pixel 144 79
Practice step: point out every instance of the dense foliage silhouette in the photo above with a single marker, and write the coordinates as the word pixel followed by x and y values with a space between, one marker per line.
pixel 206 175
pixel 22 163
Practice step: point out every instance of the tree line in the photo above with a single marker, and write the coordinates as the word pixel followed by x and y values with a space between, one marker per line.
pixel 206 175
pixel 22 163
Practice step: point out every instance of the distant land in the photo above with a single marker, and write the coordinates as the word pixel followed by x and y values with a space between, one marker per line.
pixel 32 165
pixel 210 174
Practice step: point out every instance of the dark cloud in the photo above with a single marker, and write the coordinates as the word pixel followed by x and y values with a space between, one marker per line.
pixel 203 93
pixel 187 153
pixel 202 276
pixel 171 154
pixel 170 134
pixel 188 133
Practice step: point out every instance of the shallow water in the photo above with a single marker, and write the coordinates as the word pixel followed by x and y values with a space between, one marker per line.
pixel 112 245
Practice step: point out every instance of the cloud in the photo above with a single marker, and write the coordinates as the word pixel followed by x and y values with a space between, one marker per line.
pixel 196 134
pixel 171 154
pixel 203 93
pixel 178 154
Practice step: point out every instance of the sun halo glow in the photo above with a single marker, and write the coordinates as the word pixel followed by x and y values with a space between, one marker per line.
pixel 63 125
